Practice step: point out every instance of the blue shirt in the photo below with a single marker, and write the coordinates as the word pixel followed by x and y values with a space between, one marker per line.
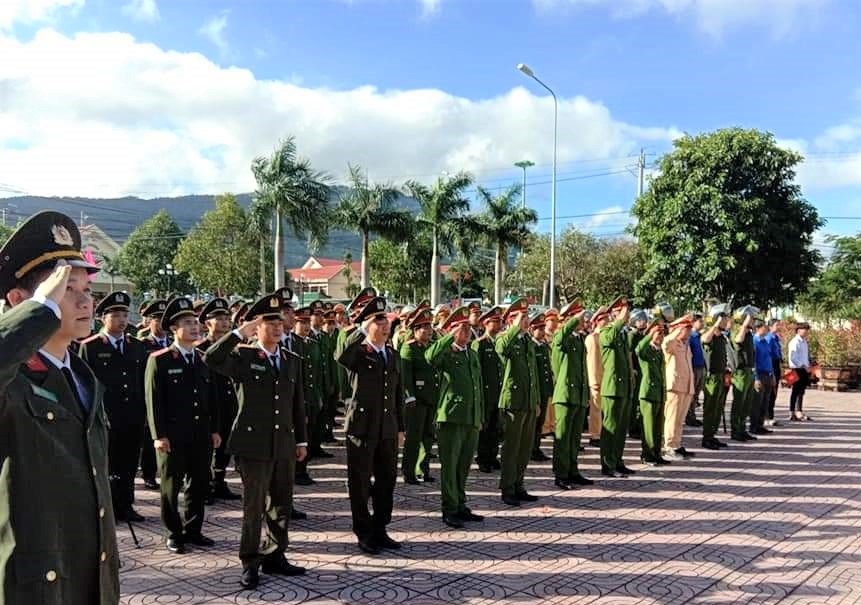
pixel 763 349
pixel 698 358
pixel 776 350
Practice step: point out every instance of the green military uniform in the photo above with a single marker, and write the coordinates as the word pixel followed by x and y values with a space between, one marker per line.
pixel 652 394
pixel 570 399
pixel 615 394
pixel 344 380
pixel 331 395
pixel 491 380
pixel 269 425
pixel 518 404
pixel 545 388
pixel 636 423
pixel 714 390
pixel 742 386
pixel 314 381
pixel 149 466
pixel 421 384
pixel 460 413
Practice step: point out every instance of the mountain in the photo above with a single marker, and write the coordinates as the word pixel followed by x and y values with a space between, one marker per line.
pixel 118 217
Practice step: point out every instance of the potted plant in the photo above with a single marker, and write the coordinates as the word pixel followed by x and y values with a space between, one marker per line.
pixel 833 352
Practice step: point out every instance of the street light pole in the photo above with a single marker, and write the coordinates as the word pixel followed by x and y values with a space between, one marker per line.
pixel 524 164
pixel 528 72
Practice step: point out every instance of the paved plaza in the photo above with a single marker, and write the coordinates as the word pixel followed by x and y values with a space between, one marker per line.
pixel 775 521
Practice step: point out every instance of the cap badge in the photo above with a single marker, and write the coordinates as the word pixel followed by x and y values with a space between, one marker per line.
pixel 118 297
pixel 274 302
pixel 183 304
pixel 62 237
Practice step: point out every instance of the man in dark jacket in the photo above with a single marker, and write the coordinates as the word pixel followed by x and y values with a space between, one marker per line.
pixel 268 436
pixel 154 339
pixel 58 542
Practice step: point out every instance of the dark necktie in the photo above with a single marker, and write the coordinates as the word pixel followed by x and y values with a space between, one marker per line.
pixel 67 374
pixel 119 346
pixel 382 354
pixel 273 359
pixel 189 359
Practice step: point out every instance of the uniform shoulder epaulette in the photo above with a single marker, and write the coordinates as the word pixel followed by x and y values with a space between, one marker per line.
pixel 90 338
pixel 159 352
pixel 132 338
pixel 294 354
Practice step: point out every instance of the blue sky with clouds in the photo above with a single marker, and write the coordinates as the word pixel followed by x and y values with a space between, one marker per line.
pixel 158 97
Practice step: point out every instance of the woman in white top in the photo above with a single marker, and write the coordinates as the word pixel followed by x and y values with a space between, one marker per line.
pixel 799 360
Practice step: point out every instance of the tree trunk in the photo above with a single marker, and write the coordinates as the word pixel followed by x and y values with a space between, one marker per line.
pixel 545 291
pixel 434 285
pixel 279 252
pixel 497 276
pixel 262 247
pixel 366 278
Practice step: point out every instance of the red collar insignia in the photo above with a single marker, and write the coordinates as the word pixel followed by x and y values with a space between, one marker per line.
pixel 35 364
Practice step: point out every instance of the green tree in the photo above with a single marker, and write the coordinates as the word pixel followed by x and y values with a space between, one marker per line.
pixel 352 287
pixel 147 255
pixel 504 223
pixel 724 219
pixel 297 195
pixel 371 210
pixel 109 265
pixel 443 212
pixel 219 254
pixel 401 269
pixel 837 292
pixel 5 233
pixel 259 229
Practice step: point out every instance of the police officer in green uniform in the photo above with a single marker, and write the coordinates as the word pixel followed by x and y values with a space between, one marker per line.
pixel 57 536
pixel 518 403
pixel 636 331
pixel 570 394
pixel 312 382
pixel 324 378
pixel 118 361
pixel 215 315
pixel 652 392
pixel 615 390
pixel 183 419
pixel 715 388
pixel 153 339
pixel 459 413
pixel 743 377
pixel 545 380
pixel 268 436
pixel 491 379
pixel 328 335
pixel 373 424
pixel 421 383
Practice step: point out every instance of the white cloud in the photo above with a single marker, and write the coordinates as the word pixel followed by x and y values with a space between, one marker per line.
pixel 712 16
pixel 614 216
pixel 142 10
pixel 213 30
pixel 32 11
pixel 104 115
pixel 429 8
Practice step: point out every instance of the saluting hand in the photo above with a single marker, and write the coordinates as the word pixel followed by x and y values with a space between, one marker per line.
pixel 162 445
pixel 249 328
pixel 54 286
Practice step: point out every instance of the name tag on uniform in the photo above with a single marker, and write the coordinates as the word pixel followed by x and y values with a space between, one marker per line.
pixel 37 390
pixel 420 383
pixel 175 370
pixel 104 355
pixel 258 367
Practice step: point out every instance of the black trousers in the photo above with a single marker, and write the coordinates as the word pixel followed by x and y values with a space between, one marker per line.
pixel 124 448
pixel 488 438
pixel 221 456
pixel 186 468
pixel 267 494
pixel 796 396
pixel 772 400
pixel 377 458
pixel 149 466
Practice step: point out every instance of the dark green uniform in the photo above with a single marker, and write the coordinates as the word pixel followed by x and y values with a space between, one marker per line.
pixel 545 386
pixel 615 394
pixel 149 466
pixel 345 389
pixel 518 404
pixel 652 393
pixel 59 534
pixel 314 381
pixel 269 425
pixel 491 379
pixel 332 391
pixel 421 384
pixel 460 413
pixel 715 390
pixel 570 398
pixel 122 375
pixel 636 422
pixel 742 385
pixel 181 406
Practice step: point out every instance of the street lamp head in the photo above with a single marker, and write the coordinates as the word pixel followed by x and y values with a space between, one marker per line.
pixel 168 266
pixel 526 69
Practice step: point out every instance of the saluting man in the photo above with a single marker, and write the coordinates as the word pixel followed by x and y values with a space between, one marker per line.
pixel 57 536
pixel 459 413
pixel 183 422
pixel 268 435
pixel 373 424
pixel 491 379
pixel 652 393
pixel 743 377
pixel 615 390
pixel 595 370
pixel 717 379
pixel 680 386
pixel 545 380
pixel 118 361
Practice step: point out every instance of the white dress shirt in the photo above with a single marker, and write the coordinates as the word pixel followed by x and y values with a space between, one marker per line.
pixel 799 353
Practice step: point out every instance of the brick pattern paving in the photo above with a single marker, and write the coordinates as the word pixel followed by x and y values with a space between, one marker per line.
pixel 775 521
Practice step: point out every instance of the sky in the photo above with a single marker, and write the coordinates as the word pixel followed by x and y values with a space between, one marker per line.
pixel 106 98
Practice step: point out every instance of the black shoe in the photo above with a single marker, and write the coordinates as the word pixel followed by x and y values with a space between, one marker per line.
pixel 250 577
pixel 304 479
pixel 721 443
pixel 411 481
pixel 693 422
pixel 581 449
pixel 579 479
pixel 495 464
pixel 563 484
pixel 367 545
pixel 685 453
pixel 649 461
pixel 429 479
pixel 510 500
pixel 662 462
pixel 775 423
pixel 468 515
pixel 624 470
pixel 297 515
pixel 595 442
pixel 321 453
pixel 330 439
pixel 222 492
pixel 384 540
pixel 134 516
pixel 761 431
pixel 710 444
pixel 485 468
pixel 199 540
pixel 150 484
pixel 538 456
pixel 609 473
pixel 175 546
pixel 737 437
pixel 452 521
pixel 209 500
pixel 749 437
pixel 525 496
pixel 277 564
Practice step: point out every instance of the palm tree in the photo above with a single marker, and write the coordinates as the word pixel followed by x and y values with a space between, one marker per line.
pixel 296 194
pixel 110 266
pixel 371 209
pixel 442 211
pixel 504 223
pixel 259 228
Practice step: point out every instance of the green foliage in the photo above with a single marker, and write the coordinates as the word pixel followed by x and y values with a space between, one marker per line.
pixel 724 219
pixel 402 269
pixel 5 233
pixel 259 229
pixel 837 292
pixel 219 254
pixel 148 250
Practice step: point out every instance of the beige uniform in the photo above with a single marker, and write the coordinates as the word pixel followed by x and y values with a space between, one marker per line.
pixel 595 369
pixel 680 387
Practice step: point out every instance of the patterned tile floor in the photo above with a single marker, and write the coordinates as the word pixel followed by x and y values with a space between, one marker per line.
pixel 776 521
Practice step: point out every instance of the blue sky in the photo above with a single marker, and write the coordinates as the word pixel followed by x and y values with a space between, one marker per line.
pixel 184 92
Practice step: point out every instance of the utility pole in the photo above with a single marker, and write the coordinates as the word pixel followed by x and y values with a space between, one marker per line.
pixel 641 172
pixel 524 164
